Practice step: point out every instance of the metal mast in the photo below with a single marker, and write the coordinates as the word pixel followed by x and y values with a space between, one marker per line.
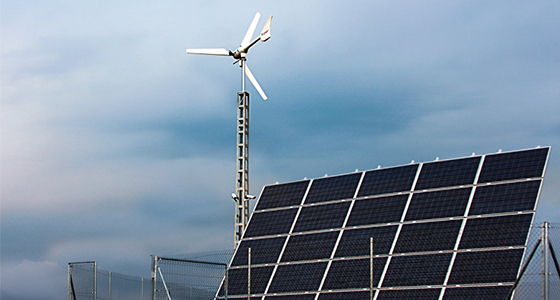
pixel 242 176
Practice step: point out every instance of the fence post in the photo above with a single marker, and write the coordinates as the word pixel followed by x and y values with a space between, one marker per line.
pixel 69 283
pixel 249 274
pixel 545 245
pixel 226 282
pixel 154 276
pixel 110 273
pixel 371 268
pixel 95 280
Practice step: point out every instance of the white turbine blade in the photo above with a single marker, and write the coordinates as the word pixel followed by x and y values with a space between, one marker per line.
pixel 209 51
pixel 249 34
pixel 265 33
pixel 254 82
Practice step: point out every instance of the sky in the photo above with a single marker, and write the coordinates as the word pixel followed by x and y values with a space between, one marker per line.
pixel 116 144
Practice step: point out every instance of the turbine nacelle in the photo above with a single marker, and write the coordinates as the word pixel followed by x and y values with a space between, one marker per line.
pixel 241 52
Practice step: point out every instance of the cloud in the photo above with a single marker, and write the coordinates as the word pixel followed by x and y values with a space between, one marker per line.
pixel 33 280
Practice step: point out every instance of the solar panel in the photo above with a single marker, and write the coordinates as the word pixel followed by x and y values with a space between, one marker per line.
pixel 419 269
pixel 386 181
pixel 355 242
pixel 517 196
pixel 450 229
pixel 423 237
pixel 298 277
pixel 479 293
pixel 280 195
pixel 448 173
pixel 353 274
pixel 322 217
pixel 378 210
pixel 271 222
pixel 310 246
pixel 333 188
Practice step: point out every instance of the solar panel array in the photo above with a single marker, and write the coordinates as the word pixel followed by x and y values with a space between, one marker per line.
pixel 451 229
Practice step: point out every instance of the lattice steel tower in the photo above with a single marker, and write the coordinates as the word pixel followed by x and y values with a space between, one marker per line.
pixel 242 182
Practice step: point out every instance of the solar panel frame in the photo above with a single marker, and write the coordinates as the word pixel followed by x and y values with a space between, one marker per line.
pixel 457 254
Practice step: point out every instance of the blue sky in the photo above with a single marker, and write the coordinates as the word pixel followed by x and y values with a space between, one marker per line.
pixel 116 145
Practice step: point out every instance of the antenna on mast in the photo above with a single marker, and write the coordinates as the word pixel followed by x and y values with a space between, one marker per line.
pixel 241 195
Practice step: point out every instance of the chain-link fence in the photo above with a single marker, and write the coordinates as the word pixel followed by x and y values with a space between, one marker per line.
pixel 540 279
pixel 86 281
pixel 194 276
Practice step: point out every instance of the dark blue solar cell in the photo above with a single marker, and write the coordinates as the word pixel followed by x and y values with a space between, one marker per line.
pixel 391 180
pixel 322 217
pixel 433 236
pixel 280 195
pixel 291 297
pixel 355 273
pixel 411 270
pixel 377 210
pixel 310 246
pixel 496 232
pixel 448 173
pixel 356 242
pixel 221 296
pixel 345 296
pixel 511 197
pixel 333 188
pixel 478 293
pixel 297 277
pixel 417 294
pixel 514 165
pixel 263 251
pixel 237 280
pixel 270 222
pixel 439 204
pixel 486 267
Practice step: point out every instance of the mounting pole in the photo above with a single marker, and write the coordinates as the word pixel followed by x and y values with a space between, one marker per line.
pixel 242 177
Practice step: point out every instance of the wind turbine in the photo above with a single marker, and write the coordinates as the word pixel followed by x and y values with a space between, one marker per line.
pixel 240 54
pixel 241 195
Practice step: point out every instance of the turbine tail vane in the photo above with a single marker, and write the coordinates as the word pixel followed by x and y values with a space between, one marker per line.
pixel 265 33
